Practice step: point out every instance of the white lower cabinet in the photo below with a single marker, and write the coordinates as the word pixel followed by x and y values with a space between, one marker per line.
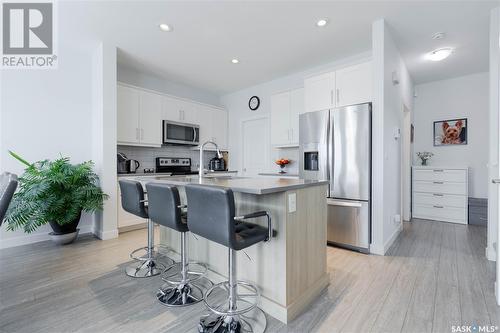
pixel 440 194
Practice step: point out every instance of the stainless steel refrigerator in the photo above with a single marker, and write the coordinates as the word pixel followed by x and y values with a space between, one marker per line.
pixel 336 145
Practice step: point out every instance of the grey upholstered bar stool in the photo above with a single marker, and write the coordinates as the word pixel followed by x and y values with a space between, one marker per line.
pixel 185 282
pixel 8 185
pixel 211 214
pixel 134 203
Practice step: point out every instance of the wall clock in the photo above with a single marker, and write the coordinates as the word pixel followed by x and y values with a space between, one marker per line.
pixel 254 103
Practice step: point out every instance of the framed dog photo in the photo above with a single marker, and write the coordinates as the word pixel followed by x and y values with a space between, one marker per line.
pixel 450 132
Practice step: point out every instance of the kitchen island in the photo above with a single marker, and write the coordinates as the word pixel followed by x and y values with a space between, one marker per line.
pixel 290 269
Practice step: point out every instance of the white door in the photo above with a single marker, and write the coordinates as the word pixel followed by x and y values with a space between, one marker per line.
pixel 219 127
pixel 280 118
pixel 150 119
pixel 296 108
pixel 319 92
pixel 354 84
pixel 255 146
pixel 127 115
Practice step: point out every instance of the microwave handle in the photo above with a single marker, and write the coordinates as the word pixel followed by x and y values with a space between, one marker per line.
pixel 194 134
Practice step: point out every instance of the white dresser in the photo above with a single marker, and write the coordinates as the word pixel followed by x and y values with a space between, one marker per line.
pixel 440 193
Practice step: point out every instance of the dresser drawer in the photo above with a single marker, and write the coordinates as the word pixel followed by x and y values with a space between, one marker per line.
pixel 444 175
pixel 449 200
pixel 440 187
pixel 440 213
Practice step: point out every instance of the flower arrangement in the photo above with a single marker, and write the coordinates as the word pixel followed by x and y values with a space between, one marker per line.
pixel 283 162
pixel 424 156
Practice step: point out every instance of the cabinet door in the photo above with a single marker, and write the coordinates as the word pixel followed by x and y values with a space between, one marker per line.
pixel 188 112
pixel 219 127
pixel 280 118
pixel 296 108
pixel 170 109
pixel 319 92
pixel 204 120
pixel 127 115
pixel 354 84
pixel 150 119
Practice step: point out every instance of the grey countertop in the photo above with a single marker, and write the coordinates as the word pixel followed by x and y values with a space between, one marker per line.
pixel 239 184
pixel 278 174
pixel 154 174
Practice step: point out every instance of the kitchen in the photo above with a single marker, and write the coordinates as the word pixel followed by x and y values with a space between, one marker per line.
pixel 295 158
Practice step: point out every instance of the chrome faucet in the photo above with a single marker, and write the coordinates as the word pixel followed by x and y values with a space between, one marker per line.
pixel 219 155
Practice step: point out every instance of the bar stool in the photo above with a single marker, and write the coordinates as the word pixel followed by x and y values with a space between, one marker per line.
pixel 133 202
pixel 185 281
pixel 211 212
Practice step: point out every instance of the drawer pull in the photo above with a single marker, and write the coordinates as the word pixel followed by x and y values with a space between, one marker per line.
pixel 438 195
pixel 438 170
pixel 435 206
pixel 438 182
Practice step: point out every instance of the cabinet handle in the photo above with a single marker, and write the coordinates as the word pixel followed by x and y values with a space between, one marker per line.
pixel 438 195
pixel 338 96
pixel 331 97
pixel 436 206
pixel 137 133
pixel 142 133
pixel 438 182
pixel 291 135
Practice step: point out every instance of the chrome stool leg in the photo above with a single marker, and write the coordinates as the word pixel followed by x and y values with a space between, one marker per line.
pixel 186 286
pixel 150 263
pixel 238 311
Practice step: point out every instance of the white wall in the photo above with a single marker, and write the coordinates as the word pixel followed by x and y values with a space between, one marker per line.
pixel 46 113
pixel 139 79
pixel 237 105
pixel 462 97
pixel 386 155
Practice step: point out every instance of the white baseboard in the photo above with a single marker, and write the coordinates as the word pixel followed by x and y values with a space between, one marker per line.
pixel 105 235
pixel 35 238
pixel 491 254
pixel 382 250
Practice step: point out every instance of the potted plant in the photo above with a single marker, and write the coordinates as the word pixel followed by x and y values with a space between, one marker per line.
pixel 54 192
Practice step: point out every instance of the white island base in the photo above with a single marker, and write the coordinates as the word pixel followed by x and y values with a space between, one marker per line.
pixel 290 270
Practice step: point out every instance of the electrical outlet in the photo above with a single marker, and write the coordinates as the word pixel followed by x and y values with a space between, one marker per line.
pixel 292 202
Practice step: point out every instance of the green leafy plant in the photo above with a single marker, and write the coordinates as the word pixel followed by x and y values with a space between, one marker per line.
pixel 56 191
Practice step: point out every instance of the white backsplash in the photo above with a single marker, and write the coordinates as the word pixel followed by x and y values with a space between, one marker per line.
pixel 147 155
pixel 289 153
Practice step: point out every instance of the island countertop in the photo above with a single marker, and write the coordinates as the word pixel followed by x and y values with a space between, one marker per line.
pixel 248 185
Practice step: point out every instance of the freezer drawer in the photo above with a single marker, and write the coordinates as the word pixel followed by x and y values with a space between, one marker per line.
pixel 349 224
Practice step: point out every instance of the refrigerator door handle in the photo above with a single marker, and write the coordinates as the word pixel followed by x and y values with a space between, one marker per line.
pixel 333 202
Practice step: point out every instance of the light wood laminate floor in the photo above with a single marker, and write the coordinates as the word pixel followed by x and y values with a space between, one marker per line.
pixel 435 276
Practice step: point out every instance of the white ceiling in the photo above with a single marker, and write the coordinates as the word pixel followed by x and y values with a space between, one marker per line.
pixel 273 39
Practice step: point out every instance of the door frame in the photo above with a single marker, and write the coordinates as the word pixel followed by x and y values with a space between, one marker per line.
pixel 406 162
pixel 242 143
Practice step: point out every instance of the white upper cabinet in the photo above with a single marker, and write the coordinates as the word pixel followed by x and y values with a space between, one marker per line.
pixel 285 110
pixel 346 86
pixel 179 110
pixel 319 92
pixel 219 127
pixel 150 118
pixel 138 117
pixel 204 120
pixel 354 84
pixel 127 115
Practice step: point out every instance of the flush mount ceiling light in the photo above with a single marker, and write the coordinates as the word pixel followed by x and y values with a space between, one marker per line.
pixel 235 61
pixel 438 35
pixel 165 27
pixel 322 22
pixel 439 54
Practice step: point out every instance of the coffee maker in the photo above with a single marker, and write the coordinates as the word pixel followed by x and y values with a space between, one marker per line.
pixel 217 163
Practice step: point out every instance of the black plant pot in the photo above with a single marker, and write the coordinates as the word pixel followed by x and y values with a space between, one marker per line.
pixel 67 228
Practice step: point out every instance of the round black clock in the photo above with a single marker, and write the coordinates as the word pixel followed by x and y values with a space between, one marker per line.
pixel 254 103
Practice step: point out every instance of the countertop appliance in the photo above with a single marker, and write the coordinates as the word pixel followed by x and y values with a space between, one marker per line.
pixel 121 163
pixel 217 163
pixel 180 133
pixel 174 165
pixel 132 166
pixel 336 145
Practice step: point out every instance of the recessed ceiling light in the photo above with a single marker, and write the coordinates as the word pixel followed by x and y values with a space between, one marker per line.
pixel 165 27
pixel 322 22
pixel 439 54
pixel 235 61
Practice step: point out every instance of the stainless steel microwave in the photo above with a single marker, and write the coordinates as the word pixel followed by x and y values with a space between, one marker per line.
pixel 180 133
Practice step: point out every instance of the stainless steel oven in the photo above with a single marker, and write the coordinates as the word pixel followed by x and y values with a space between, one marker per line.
pixel 180 133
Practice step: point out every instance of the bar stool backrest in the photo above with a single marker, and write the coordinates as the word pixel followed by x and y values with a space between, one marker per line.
pixel 133 198
pixel 8 185
pixel 164 206
pixel 211 213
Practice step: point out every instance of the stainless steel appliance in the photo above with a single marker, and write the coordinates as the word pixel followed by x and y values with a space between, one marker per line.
pixel 132 166
pixel 180 133
pixel 217 163
pixel 121 163
pixel 336 145
pixel 174 165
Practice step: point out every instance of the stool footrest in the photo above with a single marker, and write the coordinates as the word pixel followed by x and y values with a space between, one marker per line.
pixel 173 273
pixel 246 301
